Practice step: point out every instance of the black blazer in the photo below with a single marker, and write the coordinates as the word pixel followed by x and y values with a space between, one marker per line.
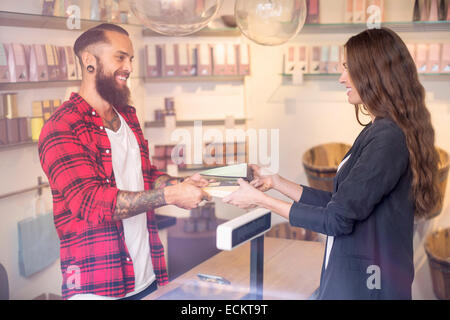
pixel 371 215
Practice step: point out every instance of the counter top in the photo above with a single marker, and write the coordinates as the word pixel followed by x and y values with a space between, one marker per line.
pixel 291 271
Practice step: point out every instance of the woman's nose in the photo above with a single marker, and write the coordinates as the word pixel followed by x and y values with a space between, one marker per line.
pixel 343 77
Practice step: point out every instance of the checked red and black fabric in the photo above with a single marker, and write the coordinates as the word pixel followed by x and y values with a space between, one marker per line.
pixel 75 154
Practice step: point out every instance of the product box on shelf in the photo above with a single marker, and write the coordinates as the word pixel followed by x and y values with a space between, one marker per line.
pixel 204 60
pixel 314 62
pixel 4 69
pixel 170 60
pixel 18 69
pixel 434 57
pixel 12 130
pixel 48 7
pixel 24 135
pixel 52 63
pixel 184 67
pixel 448 12
pixel 62 62
pixel 422 58
pixel 71 63
pixel 424 8
pixel 348 14
pixel 46 109
pixel 231 63
pixel 313 12
pixel 3 131
pixel 445 58
pixel 359 13
pixel 193 59
pixel 434 7
pixel 323 65
pixel 36 109
pixel 153 60
pixel 243 59
pixel 78 67
pixel 416 11
pixel 41 63
pixel 219 59
pixel 302 61
pixel 334 60
pixel 37 120
pixel 442 9
pixel 289 59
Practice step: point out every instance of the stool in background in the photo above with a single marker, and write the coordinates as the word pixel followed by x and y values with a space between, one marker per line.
pixel 4 284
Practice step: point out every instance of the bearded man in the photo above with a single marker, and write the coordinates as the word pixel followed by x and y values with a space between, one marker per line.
pixel 104 188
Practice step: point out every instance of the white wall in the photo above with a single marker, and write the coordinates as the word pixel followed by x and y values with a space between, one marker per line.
pixel 313 113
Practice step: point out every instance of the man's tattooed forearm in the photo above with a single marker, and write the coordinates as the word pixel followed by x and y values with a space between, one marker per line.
pixel 129 204
pixel 165 180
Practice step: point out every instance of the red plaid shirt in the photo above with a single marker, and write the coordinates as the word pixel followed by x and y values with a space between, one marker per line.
pixel 75 155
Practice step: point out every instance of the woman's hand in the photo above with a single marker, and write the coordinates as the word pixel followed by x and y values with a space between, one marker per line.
pixel 246 197
pixel 263 180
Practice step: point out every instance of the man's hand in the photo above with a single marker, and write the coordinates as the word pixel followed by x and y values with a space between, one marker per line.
pixel 197 180
pixel 263 180
pixel 185 195
pixel 167 190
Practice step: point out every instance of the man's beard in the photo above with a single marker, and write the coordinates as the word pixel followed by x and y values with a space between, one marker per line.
pixel 109 90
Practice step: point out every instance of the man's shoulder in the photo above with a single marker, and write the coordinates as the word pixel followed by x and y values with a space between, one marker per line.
pixel 64 119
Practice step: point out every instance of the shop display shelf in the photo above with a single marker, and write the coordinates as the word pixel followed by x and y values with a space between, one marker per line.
pixel 38 21
pixel 29 20
pixel 403 26
pixel 190 123
pixel 10 146
pixel 205 32
pixel 38 84
pixel 195 79
pixel 287 78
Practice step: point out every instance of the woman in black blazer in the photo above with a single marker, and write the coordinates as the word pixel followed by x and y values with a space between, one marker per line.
pixel 388 177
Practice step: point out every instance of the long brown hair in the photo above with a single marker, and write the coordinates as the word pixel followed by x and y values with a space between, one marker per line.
pixel 386 79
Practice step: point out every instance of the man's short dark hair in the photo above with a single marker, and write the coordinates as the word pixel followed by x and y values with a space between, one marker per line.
pixel 95 35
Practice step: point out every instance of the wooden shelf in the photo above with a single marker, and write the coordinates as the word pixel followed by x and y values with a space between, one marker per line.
pixel 11 146
pixel 27 20
pixel 335 76
pixel 38 84
pixel 195 79
pixel 38 21
pixel 205 32
pixel 190 123
pixel 407 26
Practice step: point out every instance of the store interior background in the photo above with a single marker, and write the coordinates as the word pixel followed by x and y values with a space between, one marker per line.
pixel 306 115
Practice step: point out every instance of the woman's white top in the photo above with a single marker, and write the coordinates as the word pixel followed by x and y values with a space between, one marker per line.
pixel 330 239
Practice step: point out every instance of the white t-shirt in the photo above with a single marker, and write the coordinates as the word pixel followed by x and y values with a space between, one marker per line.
pixel 126 163
pixel 330 239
